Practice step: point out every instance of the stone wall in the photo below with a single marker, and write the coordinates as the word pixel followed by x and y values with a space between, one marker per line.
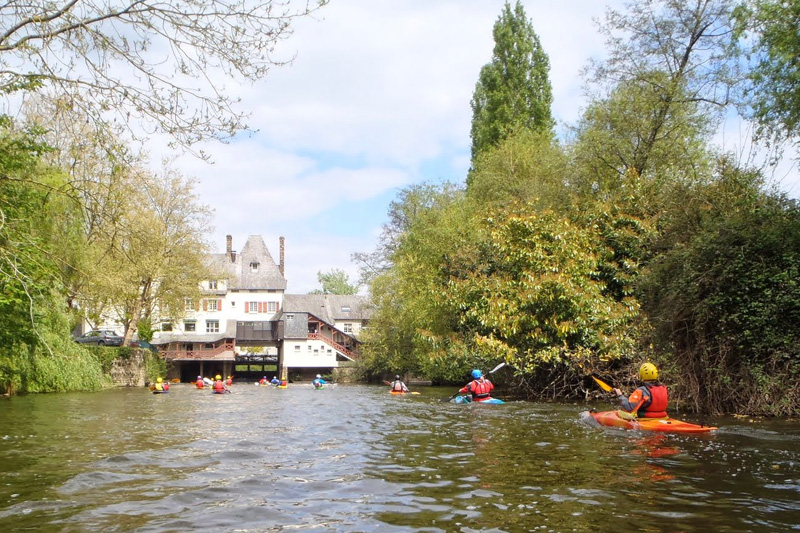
pixel 129 372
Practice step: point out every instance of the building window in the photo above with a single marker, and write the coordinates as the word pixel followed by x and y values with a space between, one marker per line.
pixel 212 326
pixel 272 307
pixel 212 285
pixel 166 326
pixel 188 304
pixel 296 347
pixel 309 347
pixel 253 307
pixel 345 309
pixel 233 305
pixel 189 326
pixel 348 328
pixel 289 317
pixel 213 305
pixel 254 266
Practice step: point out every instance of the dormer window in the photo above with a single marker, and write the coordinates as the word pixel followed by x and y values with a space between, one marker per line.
pixel 254 266
pixel 212 285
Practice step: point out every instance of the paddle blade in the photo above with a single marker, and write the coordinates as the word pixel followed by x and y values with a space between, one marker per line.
pixel 498 367
pixel 603 385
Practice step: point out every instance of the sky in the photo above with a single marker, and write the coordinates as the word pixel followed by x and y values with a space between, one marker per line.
pixel 376 99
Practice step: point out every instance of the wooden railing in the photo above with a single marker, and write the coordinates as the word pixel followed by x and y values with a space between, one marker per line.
pixel 197 354
pixel 334 344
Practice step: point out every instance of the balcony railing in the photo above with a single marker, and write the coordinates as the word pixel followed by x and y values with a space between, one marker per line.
pixel 204 353
pixel 317 336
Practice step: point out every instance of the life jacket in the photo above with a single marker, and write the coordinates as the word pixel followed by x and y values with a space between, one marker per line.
pixel 480 388
pixel 219 385
pixel 159 386
pixel 229 381
pixel 284 383
pixel 656 407
pixel 200 383
pixel 397 386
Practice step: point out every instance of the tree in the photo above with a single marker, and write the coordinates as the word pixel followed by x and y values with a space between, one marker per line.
pixel 513 90
pixel 774 90
pixel 335 281
pixel 675 54
pixel 178 54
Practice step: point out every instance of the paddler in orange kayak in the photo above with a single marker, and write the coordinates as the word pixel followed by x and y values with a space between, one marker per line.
pixel 650 399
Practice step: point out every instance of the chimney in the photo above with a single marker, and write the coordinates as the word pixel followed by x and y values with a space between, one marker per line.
pixel 229 248
pixel 281 265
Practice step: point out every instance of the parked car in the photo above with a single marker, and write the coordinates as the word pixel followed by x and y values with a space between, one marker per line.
pixel 100 337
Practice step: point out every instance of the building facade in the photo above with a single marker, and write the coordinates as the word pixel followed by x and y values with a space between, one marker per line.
pixel 246 325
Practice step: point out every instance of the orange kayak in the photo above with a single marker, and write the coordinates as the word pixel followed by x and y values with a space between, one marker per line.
pixel 663 425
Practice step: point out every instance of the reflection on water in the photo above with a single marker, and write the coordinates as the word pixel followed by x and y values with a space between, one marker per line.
pixel 354 458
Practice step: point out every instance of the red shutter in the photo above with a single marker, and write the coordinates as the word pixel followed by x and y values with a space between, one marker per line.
pixel 219 305
pixel 277 307
pixel 205 305
pixel 260 307
pixel 247 307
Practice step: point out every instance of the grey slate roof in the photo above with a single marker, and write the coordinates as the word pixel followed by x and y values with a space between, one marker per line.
pixel 239 273
pixel 329 307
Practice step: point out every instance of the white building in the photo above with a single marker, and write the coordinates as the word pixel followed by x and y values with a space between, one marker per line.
pixel 246 326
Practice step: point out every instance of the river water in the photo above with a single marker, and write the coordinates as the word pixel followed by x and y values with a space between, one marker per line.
pixel 357 459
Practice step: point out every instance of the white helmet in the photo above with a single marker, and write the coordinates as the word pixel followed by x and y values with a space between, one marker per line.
pixel 318 376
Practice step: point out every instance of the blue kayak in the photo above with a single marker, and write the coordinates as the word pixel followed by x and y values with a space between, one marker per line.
pixel 468 399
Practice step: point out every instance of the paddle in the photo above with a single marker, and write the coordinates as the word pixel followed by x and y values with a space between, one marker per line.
pixel 621 413
pixel 492 371
pixel 603 385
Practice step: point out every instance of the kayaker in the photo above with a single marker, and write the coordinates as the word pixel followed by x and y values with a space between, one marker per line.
pixel 200 383
pixel 479 387
pixel 275 381
pixel 318 382
pixel 398 385
pixel 650 399
pixel 160 386
pixel 219 385
pixel 263 381
pixel 229 381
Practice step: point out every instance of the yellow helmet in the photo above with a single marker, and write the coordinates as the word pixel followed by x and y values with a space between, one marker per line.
pixel 648 372
pixel 159 380
pixel 218 377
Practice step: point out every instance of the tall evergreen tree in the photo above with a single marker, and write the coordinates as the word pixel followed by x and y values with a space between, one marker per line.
pixel 513 90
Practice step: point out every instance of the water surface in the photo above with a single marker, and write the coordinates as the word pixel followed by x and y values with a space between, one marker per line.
pixel 355 458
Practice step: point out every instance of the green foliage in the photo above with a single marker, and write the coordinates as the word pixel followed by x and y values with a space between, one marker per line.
pixel 527 167
pixel 727 297
pixel 155 366
pixel 774 91
pixel 144 328
pixel 336 281
pixel 513 91
pixel 537 300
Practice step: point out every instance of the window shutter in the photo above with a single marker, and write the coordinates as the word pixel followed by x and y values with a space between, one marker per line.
pixel 247 307
pixel 219 305
pixel 205 305
pixel 260 308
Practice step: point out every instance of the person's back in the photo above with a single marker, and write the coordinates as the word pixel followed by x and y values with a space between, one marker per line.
pixel 200 383
pixel 398 385
pixel 479 387
pixel 650 399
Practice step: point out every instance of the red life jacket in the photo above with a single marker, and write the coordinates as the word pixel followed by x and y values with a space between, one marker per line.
pixel 229 381
pixel 219 385
pixel 480 389
pixel 199 383
pixel 657 406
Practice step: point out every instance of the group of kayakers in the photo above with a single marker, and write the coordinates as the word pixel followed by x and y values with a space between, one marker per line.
pixel 649 400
